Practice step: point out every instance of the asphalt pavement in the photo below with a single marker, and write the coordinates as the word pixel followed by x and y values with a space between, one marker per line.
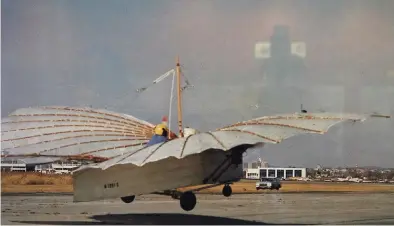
pixel 273 208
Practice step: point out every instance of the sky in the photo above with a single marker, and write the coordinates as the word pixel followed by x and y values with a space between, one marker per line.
pixel 96 53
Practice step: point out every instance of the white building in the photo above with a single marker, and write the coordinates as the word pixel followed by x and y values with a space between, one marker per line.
pixel 13 165
pixel 65 167
pixel 24 163
pixel 275 172
pixel 38 164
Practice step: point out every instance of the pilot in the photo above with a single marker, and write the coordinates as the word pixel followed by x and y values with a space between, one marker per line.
pixel 160 133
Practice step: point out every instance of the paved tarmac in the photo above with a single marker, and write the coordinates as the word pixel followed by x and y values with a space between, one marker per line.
pixel 274 208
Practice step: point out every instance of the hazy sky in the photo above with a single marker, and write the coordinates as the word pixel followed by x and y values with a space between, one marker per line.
pixel 96 53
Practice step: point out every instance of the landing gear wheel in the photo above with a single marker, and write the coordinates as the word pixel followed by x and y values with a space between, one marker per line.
pixel 128 199
pixel 227 190
pixel 188 201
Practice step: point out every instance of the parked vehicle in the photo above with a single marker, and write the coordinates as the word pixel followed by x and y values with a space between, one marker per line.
pixel 268 183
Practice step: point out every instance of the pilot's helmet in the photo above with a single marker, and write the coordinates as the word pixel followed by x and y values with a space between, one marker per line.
pixel 164 121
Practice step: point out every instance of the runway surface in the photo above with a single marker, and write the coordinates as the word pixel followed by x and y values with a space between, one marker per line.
pixel 276 208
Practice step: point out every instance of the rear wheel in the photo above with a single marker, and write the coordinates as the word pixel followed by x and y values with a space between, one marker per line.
pixel 227 190
pixel 188 201
pixel 128 199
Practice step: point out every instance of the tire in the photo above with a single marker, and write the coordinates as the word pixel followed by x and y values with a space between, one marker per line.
pixel 128 199
pixel 188 201
pixel 227 190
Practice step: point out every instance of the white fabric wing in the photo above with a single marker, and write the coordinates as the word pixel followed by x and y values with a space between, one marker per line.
pixel 72 132
pixel 272 129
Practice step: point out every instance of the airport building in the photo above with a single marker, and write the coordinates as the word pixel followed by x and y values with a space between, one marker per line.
pixel 274 172
pixel 24 164
pixel 38 164
pixel 259 169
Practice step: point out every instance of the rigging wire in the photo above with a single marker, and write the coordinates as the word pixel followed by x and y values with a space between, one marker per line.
pixel 142 89
pixel 188 84
pixel 157 80
pixel 171 98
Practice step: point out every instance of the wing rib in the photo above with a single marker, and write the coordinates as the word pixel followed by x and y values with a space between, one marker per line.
pixel 71 132
pixel 184 145
pixel 81 136
pixel 217 140
pixel 254 134
pixel 150 154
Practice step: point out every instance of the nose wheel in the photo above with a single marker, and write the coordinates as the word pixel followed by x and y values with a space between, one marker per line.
pixel 227 190
pixel 188 201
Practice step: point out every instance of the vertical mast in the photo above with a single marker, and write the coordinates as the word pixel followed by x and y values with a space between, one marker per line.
pixel 178 78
